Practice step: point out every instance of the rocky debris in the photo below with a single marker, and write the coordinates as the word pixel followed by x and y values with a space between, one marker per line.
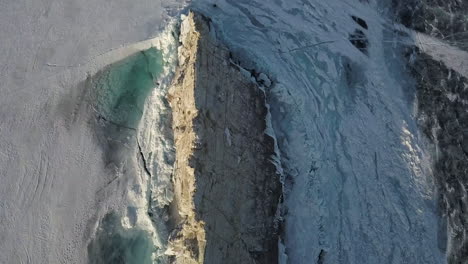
pixel 361 22
pixel 226 187
pixel 359 40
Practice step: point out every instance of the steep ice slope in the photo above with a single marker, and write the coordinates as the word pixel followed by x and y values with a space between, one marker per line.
pixel 52 176
pixel 359 186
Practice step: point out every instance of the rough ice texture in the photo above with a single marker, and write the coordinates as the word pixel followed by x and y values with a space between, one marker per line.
pixel 226 188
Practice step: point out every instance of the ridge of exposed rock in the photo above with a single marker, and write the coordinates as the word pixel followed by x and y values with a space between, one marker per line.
pixel 226 187
pixel 442 98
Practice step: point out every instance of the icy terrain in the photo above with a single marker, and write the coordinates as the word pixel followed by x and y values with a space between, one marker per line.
pixel 359 185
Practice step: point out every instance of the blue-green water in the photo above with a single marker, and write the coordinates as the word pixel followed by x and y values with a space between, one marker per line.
pixel 119 94
pixel 123 88
pixel 120 91
pixel 115 245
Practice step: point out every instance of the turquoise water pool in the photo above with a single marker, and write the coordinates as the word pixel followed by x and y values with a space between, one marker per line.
pixel 124 86
pixel 120 92
pixel 115 244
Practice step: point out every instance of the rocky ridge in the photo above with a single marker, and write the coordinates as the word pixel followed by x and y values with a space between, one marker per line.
pixel 226 183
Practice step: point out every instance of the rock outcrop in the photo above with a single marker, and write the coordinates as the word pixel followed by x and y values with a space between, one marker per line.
pixel 443 19
pixel 443 103
pixel 226 186
pixel 442 97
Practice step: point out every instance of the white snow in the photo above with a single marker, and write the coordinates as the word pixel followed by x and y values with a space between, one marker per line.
pixel 264 79
pixel 453 57
pixel 53 183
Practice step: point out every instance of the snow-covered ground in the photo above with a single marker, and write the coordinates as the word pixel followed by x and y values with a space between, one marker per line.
pixel 358 178
pixel 53 181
